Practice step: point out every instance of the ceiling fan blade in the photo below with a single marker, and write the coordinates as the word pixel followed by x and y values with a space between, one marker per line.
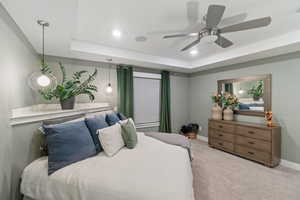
pixel 191 45
pixel 214 15
pixel 192 11
pixel 223 42
pixel 256 23
pixel 233 19
pixel 180 35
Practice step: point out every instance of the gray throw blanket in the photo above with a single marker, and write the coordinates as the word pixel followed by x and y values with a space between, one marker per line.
pixel 174 139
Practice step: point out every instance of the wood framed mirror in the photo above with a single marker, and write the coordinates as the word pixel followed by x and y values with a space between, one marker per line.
pixel 254 93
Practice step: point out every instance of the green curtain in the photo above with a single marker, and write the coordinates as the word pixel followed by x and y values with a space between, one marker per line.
pixel 125 90
pixel 165 103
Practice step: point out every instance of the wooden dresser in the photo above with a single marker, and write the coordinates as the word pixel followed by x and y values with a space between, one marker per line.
pixel 252 141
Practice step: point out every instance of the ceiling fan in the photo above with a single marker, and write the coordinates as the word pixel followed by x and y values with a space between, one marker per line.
pixel 211 31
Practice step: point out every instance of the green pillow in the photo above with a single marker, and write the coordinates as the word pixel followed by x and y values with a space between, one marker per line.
pixel 129 134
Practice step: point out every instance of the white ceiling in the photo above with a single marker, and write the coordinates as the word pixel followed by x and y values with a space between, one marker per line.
pixel 83 29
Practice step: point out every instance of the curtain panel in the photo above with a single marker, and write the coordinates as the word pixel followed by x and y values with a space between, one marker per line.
pixel 165 103
pixel 125 90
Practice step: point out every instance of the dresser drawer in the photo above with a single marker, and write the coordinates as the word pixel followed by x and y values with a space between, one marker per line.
pixel 254 133
pixel 220 144
pixel 253 154
pixel 222 127
pixel 254 143
pixel 222 135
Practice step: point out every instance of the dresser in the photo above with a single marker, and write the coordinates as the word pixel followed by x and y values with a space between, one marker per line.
pixel 255 142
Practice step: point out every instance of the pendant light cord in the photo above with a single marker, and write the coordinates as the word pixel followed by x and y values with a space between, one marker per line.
pixel 43 42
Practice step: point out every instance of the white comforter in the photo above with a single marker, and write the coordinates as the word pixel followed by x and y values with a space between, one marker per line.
pixel 152 171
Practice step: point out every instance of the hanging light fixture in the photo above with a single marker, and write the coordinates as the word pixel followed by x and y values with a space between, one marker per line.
pixel 42 79
pixel 109 88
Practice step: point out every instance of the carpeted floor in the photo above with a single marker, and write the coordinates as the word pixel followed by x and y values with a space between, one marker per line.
pixel 222 176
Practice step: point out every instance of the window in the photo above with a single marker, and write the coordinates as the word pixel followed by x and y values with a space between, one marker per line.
pixel 146 99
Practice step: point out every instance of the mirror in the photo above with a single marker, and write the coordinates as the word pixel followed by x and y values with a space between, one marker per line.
pixel 254 93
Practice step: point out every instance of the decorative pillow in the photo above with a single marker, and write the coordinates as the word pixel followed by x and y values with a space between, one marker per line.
pixel 94 124
pixel 68 143
pixel 129 133
pixel 43 147
pixel 112 118
pixel 121 116
pixel 111 139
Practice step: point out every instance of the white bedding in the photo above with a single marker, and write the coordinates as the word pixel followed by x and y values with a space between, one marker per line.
pixel 152 171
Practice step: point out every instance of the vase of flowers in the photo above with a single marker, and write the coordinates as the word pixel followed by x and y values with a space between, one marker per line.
pixel 216 109
pixel 230 102
pixel 67 90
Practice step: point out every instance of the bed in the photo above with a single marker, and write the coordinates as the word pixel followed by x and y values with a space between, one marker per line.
pixel 152 171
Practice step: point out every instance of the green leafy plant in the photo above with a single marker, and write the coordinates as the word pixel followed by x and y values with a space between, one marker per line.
pixel 257 90
pixel 70 88
pixel 216 98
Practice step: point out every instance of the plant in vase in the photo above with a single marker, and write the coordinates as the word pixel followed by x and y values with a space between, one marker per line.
pixel 230 102
pixel 216 109
pixel 257 90
pixel 69 89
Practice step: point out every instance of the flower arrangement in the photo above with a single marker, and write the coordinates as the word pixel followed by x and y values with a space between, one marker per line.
pixel 229 100
pixel 217 98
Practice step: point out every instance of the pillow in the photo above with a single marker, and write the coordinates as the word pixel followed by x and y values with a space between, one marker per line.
pixel 121 116
pixel 68 143
pixel 129 133
pixel 43 147
pixel 112 118
pixel 94 124
pixel 111 139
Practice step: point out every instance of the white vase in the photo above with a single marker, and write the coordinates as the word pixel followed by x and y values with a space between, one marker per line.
pixel 228 114
pixel 216 112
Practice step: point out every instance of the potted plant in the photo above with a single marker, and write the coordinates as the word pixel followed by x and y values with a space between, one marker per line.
pixel 230 102
pixel 69 89
pixel 257 90
pixel 216 109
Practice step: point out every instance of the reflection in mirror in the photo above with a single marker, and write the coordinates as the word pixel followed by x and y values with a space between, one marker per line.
pixel 250 94
pixel 254 93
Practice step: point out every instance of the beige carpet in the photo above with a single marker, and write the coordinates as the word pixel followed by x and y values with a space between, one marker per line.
pixel 222 176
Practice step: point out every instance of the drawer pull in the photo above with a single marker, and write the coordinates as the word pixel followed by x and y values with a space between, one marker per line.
pixel 220 143
pixel 220 126
pixel 251 153
pixel 251 142
pixel 251 132
pixel 220 135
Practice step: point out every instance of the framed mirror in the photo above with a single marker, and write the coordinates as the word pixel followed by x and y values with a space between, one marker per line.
pixel 254 93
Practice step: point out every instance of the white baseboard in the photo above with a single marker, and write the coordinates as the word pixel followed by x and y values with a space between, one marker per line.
pixel 285 163
pixel 290 164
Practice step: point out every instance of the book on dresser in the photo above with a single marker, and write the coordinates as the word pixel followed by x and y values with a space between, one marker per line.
pixel 255 142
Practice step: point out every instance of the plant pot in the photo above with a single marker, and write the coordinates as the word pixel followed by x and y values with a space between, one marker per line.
pixel 228 114
pixel 67 104
pixel 256 98
pixel 216 112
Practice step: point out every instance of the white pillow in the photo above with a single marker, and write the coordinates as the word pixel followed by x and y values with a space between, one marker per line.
pixel 111 139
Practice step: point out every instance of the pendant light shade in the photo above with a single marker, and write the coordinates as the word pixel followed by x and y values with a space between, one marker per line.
pixel 43 79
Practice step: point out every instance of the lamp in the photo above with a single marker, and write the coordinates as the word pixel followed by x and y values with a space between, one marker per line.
pixel 109 88
pixel 43 79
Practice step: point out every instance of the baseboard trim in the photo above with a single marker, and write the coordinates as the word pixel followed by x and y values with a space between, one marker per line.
pixel 284 163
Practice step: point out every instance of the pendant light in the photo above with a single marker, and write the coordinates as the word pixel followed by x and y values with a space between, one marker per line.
pixel 109 88
pixel 42 79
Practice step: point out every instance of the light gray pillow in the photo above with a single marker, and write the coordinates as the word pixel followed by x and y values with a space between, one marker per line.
pixel 111 139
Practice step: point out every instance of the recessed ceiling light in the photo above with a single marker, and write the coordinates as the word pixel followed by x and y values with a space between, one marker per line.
pixel 194 52
pixel 117 33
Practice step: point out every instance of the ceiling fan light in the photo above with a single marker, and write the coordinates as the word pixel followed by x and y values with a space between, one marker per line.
pixel 194 52
pixel 209 39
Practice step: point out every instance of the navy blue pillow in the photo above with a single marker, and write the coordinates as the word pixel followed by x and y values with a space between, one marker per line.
pixel 68 143
pixel 93 124
pixel 121 116
pixel 112 118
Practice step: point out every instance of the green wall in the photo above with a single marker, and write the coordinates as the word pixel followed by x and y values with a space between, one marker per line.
pixel 285 72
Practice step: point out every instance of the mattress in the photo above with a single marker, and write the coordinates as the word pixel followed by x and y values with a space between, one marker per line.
pixel 153 170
